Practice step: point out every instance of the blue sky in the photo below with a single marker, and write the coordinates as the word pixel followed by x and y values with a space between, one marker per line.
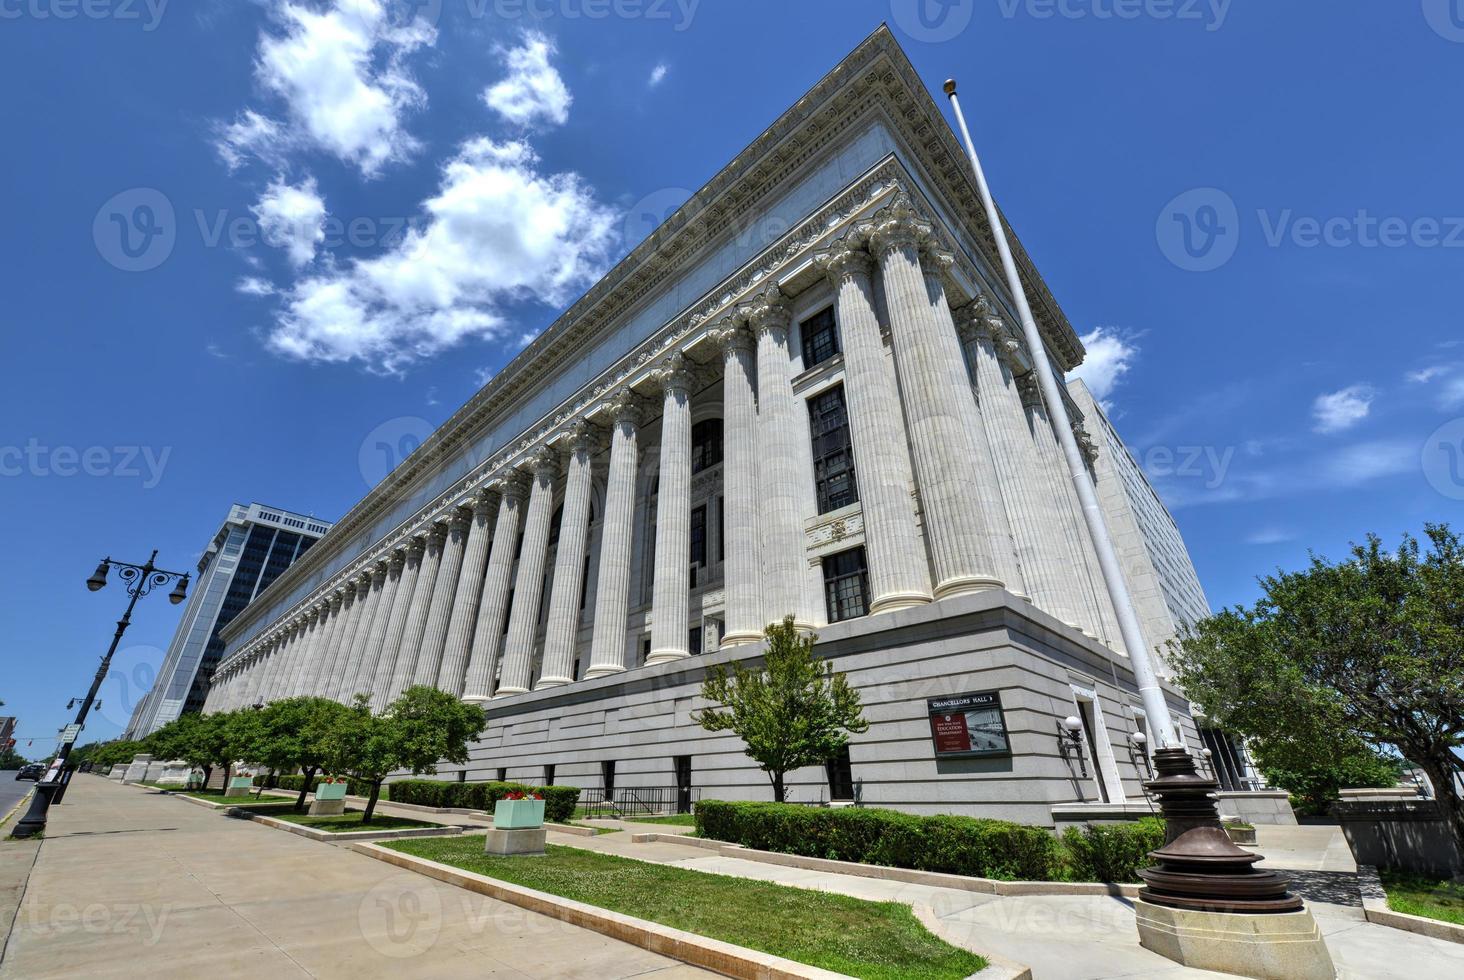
pixel 248 242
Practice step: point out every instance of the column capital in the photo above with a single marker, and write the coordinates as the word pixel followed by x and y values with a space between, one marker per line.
pixel 849 256
pixel 1085 442
pixel 511 484
pixel 936 261
pixel 485 501
pixel 896 226
pixel 623 405
pixel 543 463
pixel 1030 390
pixel 437 531
pixel 415 546
pixel 768 310
pixel 580 435
pixel 459 517
pixel 731 336
pixel 398 560
pixel 674 373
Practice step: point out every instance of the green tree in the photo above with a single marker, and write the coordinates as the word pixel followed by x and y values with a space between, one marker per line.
pixel 203 741
pixel 794 712
pixel 11 759
pixel 1314 784
pixel 119 752
pixel 1369 650
pixel 293 734
pixel 421 728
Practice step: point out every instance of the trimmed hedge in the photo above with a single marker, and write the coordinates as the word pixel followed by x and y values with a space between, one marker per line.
pixel 968 846
pixel 559 801
pixel 1113 852
pixel 295 781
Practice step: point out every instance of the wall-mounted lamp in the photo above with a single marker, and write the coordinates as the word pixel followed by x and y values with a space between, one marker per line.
pixel 1140 745
pixel 1070 742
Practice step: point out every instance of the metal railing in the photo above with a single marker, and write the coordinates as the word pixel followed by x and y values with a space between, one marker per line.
pixel 637 801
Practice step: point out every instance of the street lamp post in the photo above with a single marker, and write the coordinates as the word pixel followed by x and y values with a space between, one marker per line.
pixel 139 580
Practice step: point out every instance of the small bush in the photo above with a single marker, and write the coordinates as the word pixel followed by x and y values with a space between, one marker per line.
pixel 970 846
pixel 1113 852
pixel 292 783
pixel 559 801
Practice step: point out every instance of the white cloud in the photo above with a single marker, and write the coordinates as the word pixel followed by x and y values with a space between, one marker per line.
pixel 292 218
pixel 498 231
pixel 341 72
pixel 254 286
pixel 1368 461
pixel 1427 374
pixel 1338 411
pixel 483 375
pixel 533 89
pixel 1109 357
pixel 658 75
pixel 1270 535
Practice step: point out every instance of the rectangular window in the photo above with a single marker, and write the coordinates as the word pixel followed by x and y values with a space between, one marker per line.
pixel 694 641
pixel 502 774
pixel 846 585
pixel 820 338
pixel 607 778
pixel 833 455
pixel 549 775
pixel 699 535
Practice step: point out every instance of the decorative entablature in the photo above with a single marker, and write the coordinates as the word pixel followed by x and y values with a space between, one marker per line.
pixel 876 82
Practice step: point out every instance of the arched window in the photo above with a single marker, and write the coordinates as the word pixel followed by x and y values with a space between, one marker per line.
pixel 706 444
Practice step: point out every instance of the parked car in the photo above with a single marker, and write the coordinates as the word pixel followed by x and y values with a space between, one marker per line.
pixel 32 771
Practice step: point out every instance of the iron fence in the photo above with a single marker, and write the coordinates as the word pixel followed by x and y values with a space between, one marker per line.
pixel 637 801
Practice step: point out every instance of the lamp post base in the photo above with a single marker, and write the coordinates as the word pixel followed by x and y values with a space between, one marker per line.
pixel 1285 946
pixel 34 821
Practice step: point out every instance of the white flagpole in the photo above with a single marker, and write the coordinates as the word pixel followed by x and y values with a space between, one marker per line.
pixel 1159 720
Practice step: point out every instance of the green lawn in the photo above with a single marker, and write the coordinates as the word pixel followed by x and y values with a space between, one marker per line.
pixel 217 796
pixel 848 935
pixel 1433 898
pixel 348 821
pixel 676 820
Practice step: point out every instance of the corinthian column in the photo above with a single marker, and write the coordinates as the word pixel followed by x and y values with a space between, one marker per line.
pixel 1026 485
pixel 318 621
pixel 279 663
pixel 316 676
pixel 740 525
pixel 952 469
pixel 459 643
pixel 671 587
pixel 574 530
pixel 348 659
pixel 409 649
pixel 396 623
pixel 899 575
pixel 375 639
pixel 1098 617
pixel 612 589
pixel 528 592
pixel 488 631
pixel 434 631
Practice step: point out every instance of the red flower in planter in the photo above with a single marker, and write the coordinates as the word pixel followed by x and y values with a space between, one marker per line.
pixel 518 794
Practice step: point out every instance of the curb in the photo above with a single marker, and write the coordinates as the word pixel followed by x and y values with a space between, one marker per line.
pixel 353 835
pixel 935 879
pixel 709 954
pixel 1375 909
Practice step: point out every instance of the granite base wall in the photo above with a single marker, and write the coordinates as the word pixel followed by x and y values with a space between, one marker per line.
pixel 642 719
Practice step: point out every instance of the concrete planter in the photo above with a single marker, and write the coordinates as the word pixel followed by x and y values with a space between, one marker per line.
pixel 240 786
pixel 518 814
pixel 330 791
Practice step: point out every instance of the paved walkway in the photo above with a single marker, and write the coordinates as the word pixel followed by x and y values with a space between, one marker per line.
pixel 1088 938
pixel 130 883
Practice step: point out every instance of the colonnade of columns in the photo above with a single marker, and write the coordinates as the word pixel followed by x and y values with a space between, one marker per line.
pixel 959 487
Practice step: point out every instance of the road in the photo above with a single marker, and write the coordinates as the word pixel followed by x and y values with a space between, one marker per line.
pixel 11 790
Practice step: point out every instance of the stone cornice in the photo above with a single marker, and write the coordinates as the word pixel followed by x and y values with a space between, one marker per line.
pixel 875 82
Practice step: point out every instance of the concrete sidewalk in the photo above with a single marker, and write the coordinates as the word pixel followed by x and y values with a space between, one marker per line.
pixel 130 883
pixel 1094 937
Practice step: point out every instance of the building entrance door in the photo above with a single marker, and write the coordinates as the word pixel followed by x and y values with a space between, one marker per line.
pixel 683 784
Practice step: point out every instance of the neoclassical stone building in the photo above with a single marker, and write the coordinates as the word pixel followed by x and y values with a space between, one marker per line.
pixel 802 395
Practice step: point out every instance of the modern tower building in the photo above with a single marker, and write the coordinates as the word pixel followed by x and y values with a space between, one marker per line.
pixel 250 550
pixel 802 396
